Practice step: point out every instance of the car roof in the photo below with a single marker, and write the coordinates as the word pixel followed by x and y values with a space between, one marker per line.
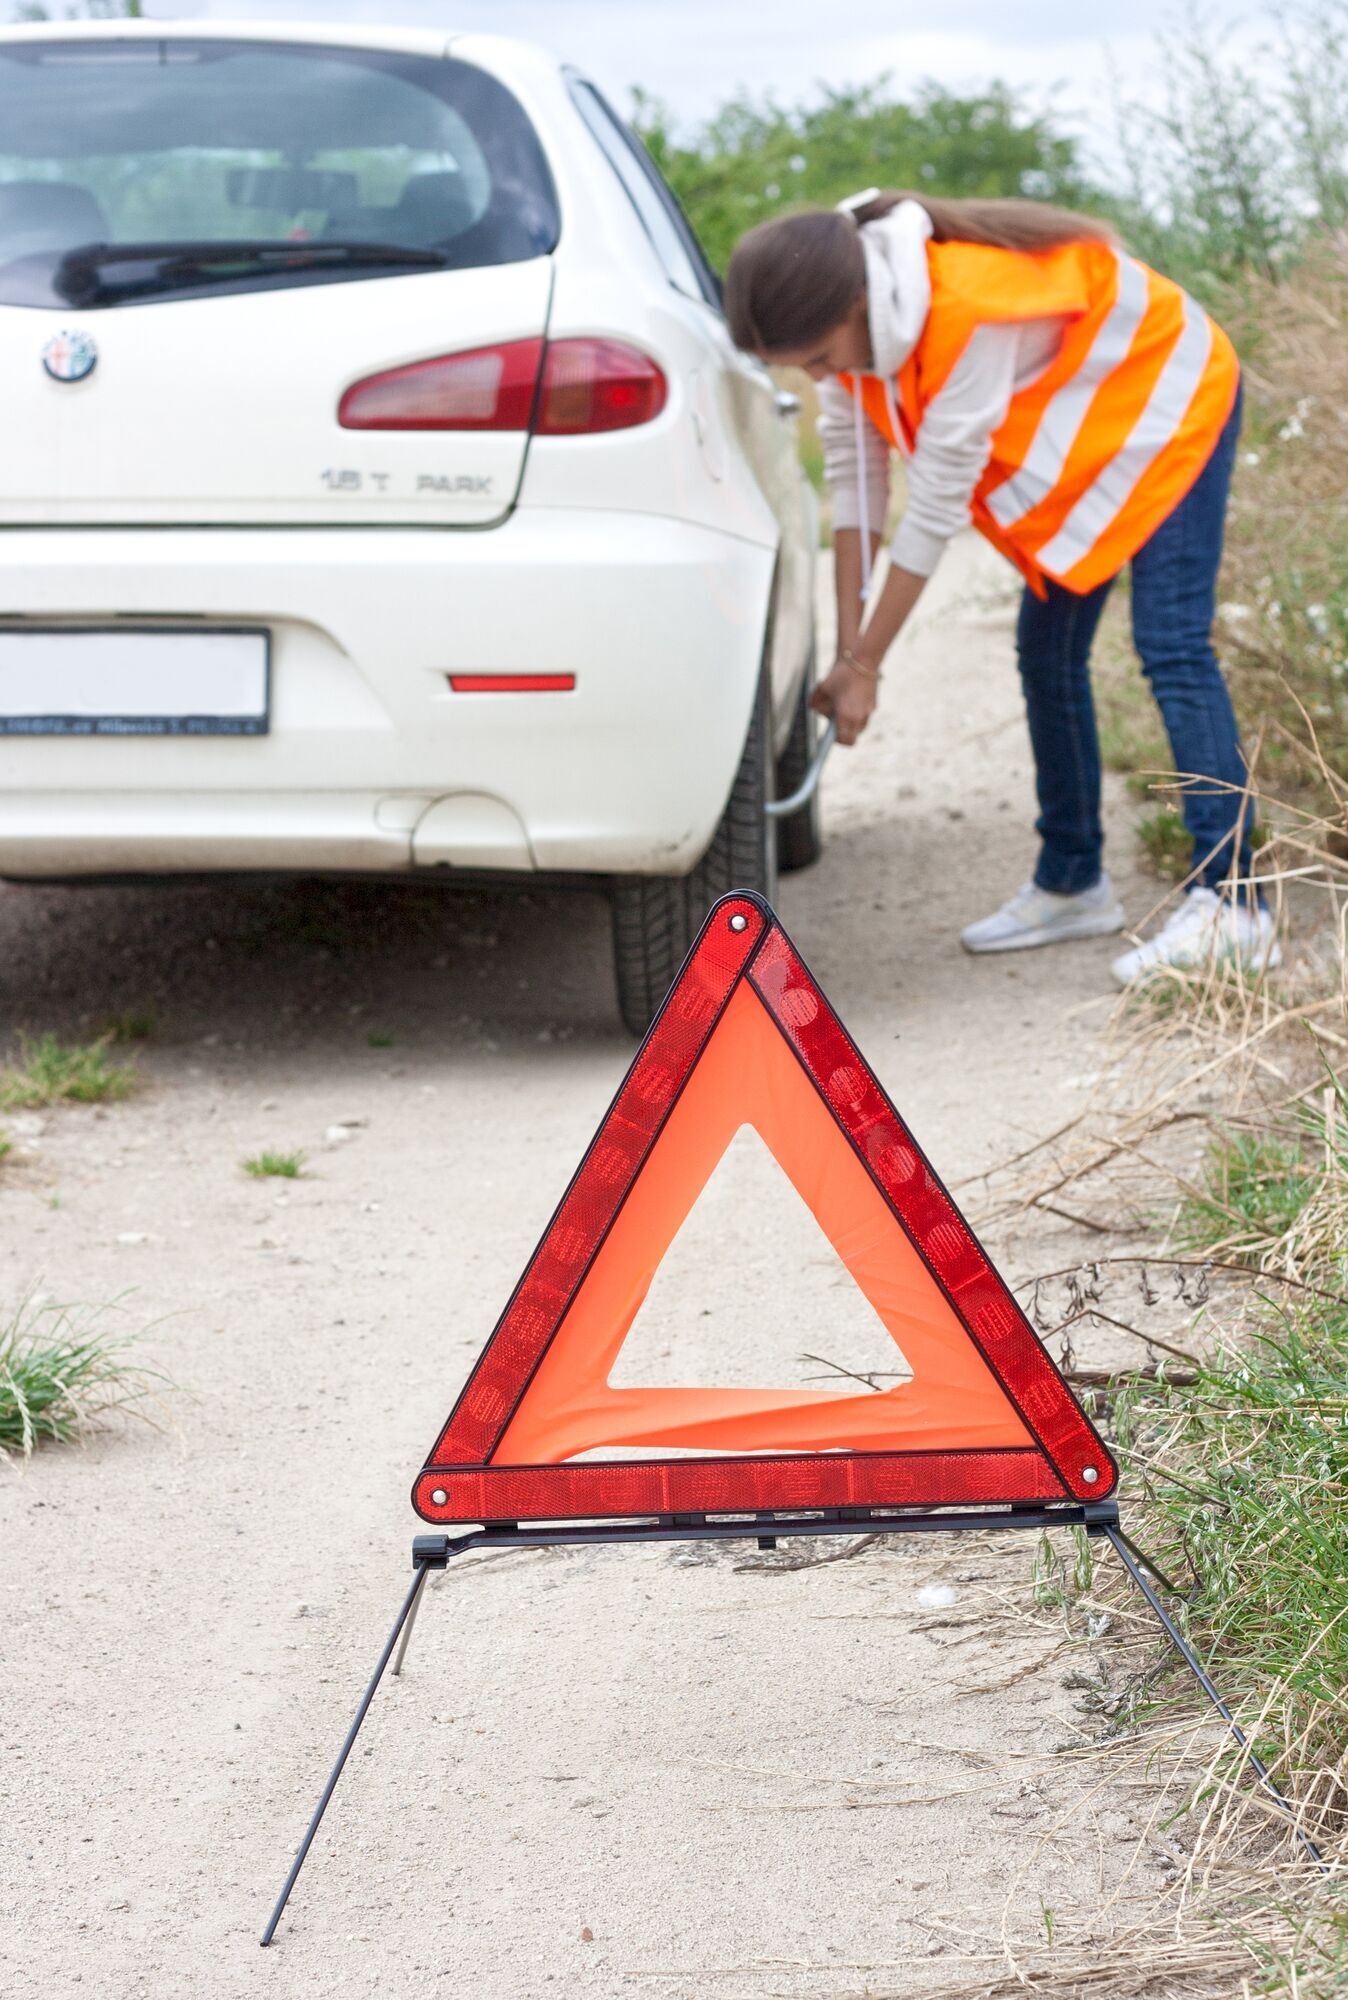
pixel 329 34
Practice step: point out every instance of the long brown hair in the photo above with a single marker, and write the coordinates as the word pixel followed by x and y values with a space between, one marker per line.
pixel 792 280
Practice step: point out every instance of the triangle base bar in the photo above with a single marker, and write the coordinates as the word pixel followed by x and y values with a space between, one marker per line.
pixel 608 1489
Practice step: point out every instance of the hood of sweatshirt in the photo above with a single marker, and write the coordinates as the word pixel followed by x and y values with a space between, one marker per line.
pixel 898 283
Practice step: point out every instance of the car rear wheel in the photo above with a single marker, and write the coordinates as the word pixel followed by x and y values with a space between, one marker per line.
pixel 800 839
pixel 656 917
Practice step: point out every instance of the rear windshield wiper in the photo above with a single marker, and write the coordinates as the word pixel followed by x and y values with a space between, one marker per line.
pixel 80 277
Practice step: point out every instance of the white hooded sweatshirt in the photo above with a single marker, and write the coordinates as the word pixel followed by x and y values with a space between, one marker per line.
pixel 955 439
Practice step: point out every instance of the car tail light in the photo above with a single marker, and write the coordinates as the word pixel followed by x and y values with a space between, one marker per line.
pixel 588 385
pixel 484 389
pixel 597 385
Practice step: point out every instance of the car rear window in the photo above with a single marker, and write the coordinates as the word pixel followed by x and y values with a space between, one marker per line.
pixel 214 158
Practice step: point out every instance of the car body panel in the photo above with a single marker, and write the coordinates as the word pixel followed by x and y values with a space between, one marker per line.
pixel 661 622
pixel 242 401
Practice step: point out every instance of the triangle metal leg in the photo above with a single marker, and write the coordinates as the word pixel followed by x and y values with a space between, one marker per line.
pixel 1136 1564
pixel 408 1629
pixel 406 1612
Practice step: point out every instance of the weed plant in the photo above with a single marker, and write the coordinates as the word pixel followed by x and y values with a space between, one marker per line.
pixel 49 1071
pixel 62 1374
pixel 133 1024
pixel 1277 1200
pixel 268 1165
pixel 1248 1492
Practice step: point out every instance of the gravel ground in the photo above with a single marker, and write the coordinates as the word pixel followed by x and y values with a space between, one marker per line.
pixel 674 1771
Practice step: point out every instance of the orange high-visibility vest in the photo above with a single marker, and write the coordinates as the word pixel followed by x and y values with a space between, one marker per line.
pixel 1098 450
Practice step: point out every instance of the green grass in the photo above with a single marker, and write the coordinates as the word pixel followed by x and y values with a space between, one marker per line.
pixel 1244 1485
pixel 49 1071
pixel 267 1165
pixel 378 1040
pixel 133 1024
pixel 1253 1503
pixel 1254 1188
pixel 1165 842
pixel 6 1145
pixel 1278 1199
pixel 62 1375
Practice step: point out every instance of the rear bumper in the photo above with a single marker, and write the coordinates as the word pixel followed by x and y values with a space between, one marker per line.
pixel 372 762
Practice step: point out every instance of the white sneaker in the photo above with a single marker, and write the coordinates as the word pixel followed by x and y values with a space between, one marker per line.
pixel 1206 929
pixel 1037 916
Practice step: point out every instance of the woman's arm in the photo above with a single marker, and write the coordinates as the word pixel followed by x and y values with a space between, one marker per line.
pixel 849 691
pixel 847 582
pixel 952 449
pixel 856 461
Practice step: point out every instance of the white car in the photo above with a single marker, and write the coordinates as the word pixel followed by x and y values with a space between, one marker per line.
pixel 380 490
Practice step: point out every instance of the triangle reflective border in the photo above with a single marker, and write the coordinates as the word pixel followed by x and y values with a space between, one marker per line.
pixel 746 1036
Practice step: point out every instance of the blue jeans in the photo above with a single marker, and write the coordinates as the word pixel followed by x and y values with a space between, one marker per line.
pixel 1174 600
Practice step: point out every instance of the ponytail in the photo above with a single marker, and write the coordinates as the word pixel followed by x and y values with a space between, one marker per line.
pixel 1000 222
pixel 791 281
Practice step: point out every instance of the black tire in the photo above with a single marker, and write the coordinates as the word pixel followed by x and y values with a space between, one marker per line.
pixel 800 839
pixel 656 917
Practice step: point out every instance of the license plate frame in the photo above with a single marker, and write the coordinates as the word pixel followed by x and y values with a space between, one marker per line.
pixel 243 709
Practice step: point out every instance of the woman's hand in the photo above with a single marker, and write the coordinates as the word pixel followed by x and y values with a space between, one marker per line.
pixel 848 696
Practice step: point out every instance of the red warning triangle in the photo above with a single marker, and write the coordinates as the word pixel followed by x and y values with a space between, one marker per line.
pixel 747 1037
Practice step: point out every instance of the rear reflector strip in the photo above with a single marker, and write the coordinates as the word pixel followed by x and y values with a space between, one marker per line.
pixel 512 683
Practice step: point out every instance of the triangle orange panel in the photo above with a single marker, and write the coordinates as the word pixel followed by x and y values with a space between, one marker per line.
pixel 746 1037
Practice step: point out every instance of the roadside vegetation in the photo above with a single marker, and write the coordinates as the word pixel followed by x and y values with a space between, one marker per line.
pixel 755 158
pixel 268 1165
pixel 133 1024
pixel 65 1373
pixel 49 1071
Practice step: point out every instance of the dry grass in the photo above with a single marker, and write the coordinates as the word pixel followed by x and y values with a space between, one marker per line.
pixel 1284 592
pixel 1188 1051
pixel 1219 1123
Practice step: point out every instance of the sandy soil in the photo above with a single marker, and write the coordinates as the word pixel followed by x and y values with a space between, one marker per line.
pixel 668 1771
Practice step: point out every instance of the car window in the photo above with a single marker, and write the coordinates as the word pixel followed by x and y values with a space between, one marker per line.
pixel 666 225
pixel 105 143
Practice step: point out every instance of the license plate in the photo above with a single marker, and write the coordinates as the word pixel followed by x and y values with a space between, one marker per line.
pixel 127 680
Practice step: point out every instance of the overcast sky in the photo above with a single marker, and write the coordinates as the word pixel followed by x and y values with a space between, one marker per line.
pixel 695 53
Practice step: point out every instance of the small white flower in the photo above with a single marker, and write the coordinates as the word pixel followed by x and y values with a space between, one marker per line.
pixel 1233 613
pixel 1318 618
pixel 1295 426
pixel 1251 458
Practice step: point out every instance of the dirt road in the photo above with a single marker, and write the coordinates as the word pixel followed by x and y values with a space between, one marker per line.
pixel 672 1772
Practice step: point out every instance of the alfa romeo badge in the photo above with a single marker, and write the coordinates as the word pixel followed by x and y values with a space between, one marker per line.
pixel 69 355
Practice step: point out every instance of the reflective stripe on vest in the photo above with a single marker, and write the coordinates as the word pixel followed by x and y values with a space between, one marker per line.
pixel 1095 452
pixel 1160 419
pixel 1061 422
